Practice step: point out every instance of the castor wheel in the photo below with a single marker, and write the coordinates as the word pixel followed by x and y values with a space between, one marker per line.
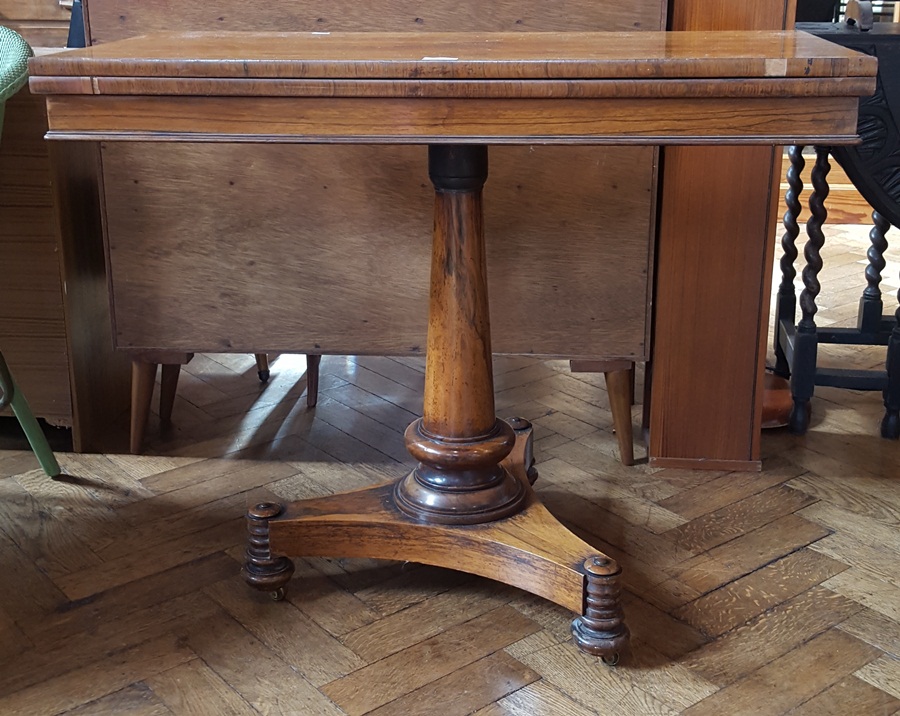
pixel 263 376
pixel 610 660
pixel 890 426
pixel 278 595
pixel 800 415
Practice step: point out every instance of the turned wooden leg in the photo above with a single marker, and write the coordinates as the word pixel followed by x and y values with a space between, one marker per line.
pixel 262 367
pixel 601 629
pixel 312 380
pixel 459 442
pixel 619 386
pixel 806 341
pixel 871 306
pixel 167 389
pixel 786 301
pixel 143 376
pixel 262 570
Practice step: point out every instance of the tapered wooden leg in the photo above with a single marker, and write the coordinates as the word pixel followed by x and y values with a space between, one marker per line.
pixel 262 367
pixel 143 376
pixel 167 389
pixel 312 380
pixel 619 385
pixel 619 376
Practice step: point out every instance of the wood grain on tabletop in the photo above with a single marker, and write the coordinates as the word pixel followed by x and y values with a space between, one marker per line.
pixel 464 55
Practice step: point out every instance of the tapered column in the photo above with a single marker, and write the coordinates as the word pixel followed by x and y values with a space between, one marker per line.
pixel 459 442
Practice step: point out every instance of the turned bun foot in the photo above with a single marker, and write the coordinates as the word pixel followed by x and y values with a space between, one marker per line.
pixel 263 570
pixel 601 630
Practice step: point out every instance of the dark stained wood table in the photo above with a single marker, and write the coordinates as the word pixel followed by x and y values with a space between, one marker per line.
pixel 469 503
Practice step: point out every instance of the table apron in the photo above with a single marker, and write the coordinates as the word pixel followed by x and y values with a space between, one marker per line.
pixel 648 121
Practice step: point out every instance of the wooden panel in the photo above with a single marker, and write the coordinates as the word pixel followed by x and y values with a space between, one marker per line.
pixel 345 238
pixel 715 256
pixel 99 377
pixel 115 19
pixel 354 196
pixel 32 10
pixel 40 33
pixel 748 15
pixel 43 23
pixel 32 330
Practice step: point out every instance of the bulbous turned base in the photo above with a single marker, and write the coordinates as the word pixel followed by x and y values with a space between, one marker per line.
pixel 460 482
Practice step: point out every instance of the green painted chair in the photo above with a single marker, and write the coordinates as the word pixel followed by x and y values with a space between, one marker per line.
pixel 14 54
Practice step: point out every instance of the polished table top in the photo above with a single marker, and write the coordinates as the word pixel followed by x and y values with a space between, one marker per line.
pixel 667 87
pixel 502 55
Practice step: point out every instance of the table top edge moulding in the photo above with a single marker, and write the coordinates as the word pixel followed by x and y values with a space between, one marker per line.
pixel 468 504
pixel 594 88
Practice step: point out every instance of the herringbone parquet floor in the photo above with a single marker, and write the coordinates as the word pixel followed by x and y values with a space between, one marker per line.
pixel 766 593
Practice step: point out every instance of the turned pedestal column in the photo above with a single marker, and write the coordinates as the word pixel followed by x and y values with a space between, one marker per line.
pixel 459 442
pixel 468 504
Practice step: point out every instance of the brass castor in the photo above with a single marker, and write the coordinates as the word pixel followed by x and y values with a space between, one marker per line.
pixel 610 660
pixel 279 594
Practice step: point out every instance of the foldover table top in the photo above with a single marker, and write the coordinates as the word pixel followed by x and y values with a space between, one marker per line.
pixel 502 55
pixel 426 87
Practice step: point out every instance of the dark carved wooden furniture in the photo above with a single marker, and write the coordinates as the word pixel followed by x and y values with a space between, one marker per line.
pixel 874 168
pixel 469 503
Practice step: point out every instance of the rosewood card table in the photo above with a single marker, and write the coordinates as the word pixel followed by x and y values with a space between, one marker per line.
pixel 469 503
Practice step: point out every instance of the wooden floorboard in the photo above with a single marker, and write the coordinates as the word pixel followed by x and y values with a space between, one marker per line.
pixel 747 593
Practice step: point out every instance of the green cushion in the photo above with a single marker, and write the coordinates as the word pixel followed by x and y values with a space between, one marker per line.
pixel 14 54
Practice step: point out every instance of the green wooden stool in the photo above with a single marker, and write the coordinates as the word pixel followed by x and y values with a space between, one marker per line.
pixel 14 54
